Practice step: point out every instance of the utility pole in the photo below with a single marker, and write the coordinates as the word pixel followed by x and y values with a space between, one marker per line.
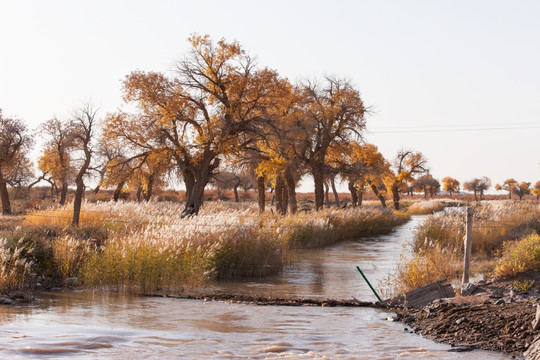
pixel 468 245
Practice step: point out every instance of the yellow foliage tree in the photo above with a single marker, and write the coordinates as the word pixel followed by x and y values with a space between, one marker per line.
pixel 217 97
pixel 450 185
pixel 406 165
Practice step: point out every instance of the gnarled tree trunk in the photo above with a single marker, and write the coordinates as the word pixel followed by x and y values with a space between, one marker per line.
pixel 334 190
pixel 118 191
pixel 318 180
pixel 4 196
pixel 63 192
pixel 354 193
pixel 291 190
pixel 197 179
pixel 378 194
pixel 280 192
pixel 395 196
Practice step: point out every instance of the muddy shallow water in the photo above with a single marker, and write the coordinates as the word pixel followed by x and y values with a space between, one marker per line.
pixel 94 325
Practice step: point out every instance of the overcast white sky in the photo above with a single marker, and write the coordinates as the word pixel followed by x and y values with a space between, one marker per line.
pixel 430 69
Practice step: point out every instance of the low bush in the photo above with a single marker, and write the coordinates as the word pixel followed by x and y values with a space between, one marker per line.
pixel 519 256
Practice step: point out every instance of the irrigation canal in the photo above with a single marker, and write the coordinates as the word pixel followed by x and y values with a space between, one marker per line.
pixel 93 325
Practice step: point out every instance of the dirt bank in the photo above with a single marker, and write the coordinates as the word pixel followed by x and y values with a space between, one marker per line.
pixel 494 316
pixel 506 327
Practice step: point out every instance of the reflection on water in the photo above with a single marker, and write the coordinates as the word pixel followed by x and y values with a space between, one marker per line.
pixel 94 325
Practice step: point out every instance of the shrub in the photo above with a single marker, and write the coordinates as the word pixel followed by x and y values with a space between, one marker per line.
pixel 519 256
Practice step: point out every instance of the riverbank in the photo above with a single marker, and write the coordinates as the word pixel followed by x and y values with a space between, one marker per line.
pixel 492 316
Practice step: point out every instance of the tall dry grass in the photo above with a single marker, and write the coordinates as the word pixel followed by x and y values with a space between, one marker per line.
pixel 424 267
pixel 427 207
pixel 147 247
pixel 15 267
pixel 493 223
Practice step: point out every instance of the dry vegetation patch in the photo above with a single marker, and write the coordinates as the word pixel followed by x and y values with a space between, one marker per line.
pixel 147 247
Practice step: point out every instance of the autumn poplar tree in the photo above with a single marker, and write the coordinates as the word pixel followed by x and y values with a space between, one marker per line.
pixel 56 159
pixel 333 111
pixel 450 185
pixel 14 144
pixel 406 165
pixel 217 96
pixel 83 130
pixel 521 189
pixel 478 186
pixel 508 185
pixel 536 190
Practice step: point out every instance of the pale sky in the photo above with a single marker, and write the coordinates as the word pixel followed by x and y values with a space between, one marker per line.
pixel 429 69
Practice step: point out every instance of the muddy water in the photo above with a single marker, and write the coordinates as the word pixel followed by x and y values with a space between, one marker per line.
pixel 94 325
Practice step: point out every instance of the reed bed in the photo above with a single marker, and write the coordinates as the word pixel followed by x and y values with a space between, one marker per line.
pixel 424 267
pixel 147 247
pixel 493 223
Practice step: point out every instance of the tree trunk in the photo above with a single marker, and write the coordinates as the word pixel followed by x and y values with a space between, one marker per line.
pixel 354 194
pixel 318 180
pixel 291 189
pixel 280 195
pixel 189 181
pixel 379 195
pixel 4 195
pixel 336 195
pixel 326 197
pixel 285 197
pixel 395 196
pixel 235 189
pixel 149 189
pixel 261 194
pixel 118 191
pixel 360 197
pixel 77 202
pixel 139 193
pixel 219 192
pixel 16 193
pixel 63 193
pixel 196 178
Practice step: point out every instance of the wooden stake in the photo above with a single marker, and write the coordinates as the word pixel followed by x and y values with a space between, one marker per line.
pixel 468 245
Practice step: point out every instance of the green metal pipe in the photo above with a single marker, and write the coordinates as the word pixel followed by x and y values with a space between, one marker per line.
pixel 371 287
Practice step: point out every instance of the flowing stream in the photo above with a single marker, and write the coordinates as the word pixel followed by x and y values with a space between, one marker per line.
pixel 96 325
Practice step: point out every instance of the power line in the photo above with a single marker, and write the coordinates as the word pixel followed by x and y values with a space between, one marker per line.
pixel 454 130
